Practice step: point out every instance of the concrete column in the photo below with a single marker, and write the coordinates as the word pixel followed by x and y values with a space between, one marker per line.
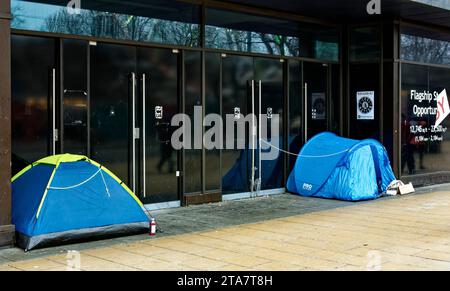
pixel 6 229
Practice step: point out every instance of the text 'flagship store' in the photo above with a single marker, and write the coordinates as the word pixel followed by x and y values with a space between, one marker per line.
pixel 105 80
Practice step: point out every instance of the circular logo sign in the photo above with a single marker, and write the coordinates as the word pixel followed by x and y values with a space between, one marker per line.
pixel 365 105
pixel 319 106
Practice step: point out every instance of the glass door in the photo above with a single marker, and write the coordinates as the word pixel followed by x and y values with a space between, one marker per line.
pixel 252 95
pixel 269 111
pixel 34 99
pixel 156 105
pixel 314 103
pixel 134 97
pixel 315 78
pixel 75 98
pixel 238 87
pixel 116 106
pixel 113 94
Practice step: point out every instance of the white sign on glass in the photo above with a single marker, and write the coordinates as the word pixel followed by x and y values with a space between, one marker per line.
pixel 365 105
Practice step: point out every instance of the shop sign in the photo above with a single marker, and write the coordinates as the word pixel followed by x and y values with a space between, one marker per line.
pixel 365 105
pixel 429 110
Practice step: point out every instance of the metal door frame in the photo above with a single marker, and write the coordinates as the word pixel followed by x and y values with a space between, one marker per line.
pixel 305 92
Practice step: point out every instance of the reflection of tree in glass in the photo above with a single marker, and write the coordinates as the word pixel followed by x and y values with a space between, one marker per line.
pixel 426 50
pixel 238 40
pixel 17 18
pixel 120 26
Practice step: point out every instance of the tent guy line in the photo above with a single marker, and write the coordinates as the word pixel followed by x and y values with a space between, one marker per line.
pixel 304 156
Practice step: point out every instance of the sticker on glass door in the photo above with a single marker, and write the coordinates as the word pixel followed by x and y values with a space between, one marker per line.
pixel 318 110
pixel 365 105
pixel 158 112
pixel 237 113
pixel 269 113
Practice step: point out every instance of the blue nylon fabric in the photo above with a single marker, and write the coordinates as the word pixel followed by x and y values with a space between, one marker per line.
pixel 352 183
pixel 311 170
pixel 238 177
pixel 85 206
pixel 387 174
pixel 350 175
pixel 27 193
pixel 377 165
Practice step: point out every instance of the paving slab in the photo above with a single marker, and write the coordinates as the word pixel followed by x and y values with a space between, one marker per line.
pixel 281 232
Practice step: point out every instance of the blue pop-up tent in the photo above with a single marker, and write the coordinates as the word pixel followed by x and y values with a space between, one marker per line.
pixel 333 167
pixel 66 198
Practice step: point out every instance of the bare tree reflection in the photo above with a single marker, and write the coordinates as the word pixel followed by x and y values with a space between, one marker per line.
pixel 144 29
pixel 120 26
pixel 425 50
pixel 17 18
pixel 237 40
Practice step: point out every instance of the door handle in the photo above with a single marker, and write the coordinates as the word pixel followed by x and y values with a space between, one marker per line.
pixel 55 133
pixel 133 126
pixel 143 137
pixel 253 138
pixel 306 112
pixel 66 91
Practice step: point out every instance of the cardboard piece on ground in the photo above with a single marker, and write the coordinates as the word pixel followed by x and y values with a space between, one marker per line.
pixel 406 189
pixel 391 192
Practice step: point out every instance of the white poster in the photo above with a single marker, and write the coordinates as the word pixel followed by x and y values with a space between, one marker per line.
pixel 318 106
pixel 365 105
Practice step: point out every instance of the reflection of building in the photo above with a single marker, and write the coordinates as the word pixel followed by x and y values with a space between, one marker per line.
pixel 105 82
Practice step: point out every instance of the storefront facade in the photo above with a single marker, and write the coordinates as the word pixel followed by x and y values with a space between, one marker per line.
pixel 105 80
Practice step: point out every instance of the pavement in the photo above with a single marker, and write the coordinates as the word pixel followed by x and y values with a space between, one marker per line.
pixel 282 232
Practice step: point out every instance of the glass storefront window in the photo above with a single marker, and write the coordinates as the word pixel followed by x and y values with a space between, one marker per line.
pixel 158 21
pixel 365 44
pixel 212 106
pixel 365 81
pixel 425 46
pixel 193 99
pixel 444 4
pixel 425 147
pixel 178 23
pixel 237 31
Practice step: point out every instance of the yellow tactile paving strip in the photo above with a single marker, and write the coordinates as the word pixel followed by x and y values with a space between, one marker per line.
pixel 409 233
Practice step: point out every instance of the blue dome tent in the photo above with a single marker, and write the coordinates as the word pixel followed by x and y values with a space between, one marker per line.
pixel 333 167
pixel 66 198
